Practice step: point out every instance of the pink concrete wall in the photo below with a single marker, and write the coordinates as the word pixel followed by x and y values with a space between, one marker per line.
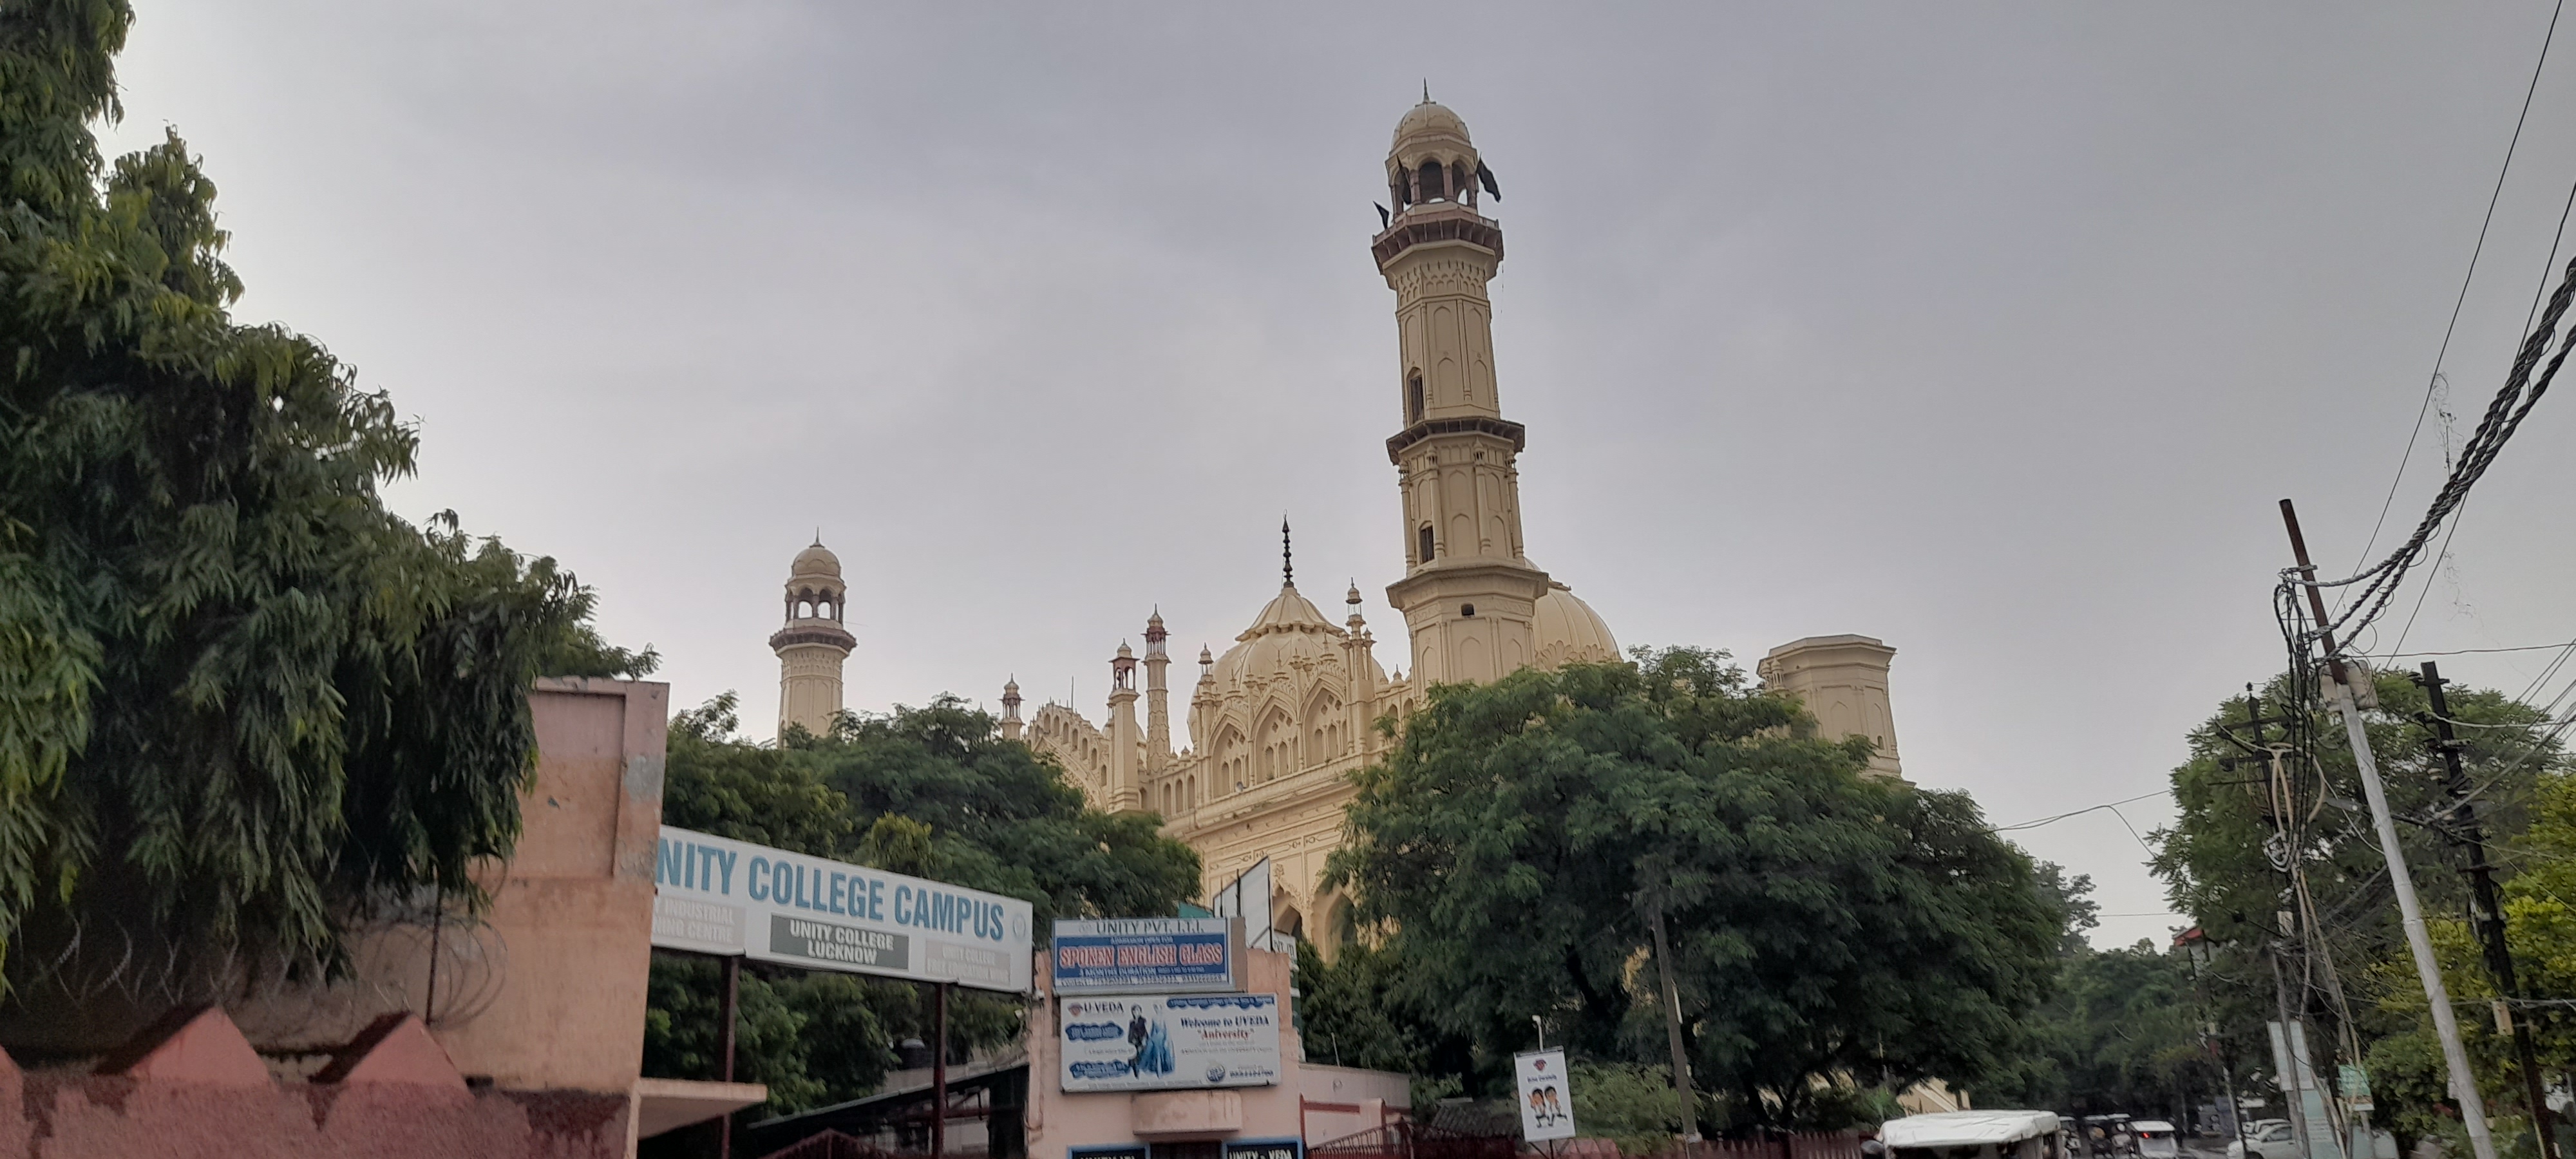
pixel 100 1117
pixel 190 1087
pixel 575 910
pixel 1058 1121
pixel 546 991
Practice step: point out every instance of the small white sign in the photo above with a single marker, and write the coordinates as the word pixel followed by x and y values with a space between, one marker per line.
pixel 1169 1042
pixel 1546 1095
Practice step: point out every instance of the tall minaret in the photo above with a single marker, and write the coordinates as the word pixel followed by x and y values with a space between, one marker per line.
pixel 813 644
pixel 1468 593
pixel 1011 709
pixel 1158 699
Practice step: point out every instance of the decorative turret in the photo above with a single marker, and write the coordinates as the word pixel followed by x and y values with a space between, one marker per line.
pixel 1011 709
pixel 1468 594
pixel 1356 645
pixel 1158 697
pixel 813 644
pixel 1126 793
pixel 1202 702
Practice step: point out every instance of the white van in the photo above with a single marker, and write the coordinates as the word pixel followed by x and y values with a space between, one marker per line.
pixel 1973 1135
pixel 2155 1139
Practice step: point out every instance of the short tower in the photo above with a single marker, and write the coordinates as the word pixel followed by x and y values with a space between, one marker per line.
pixel 1843 682
pixel 813 644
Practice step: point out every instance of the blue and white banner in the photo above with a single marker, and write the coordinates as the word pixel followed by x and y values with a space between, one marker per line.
pixel 715 895
pixel 1169 1042
pixel 1143 955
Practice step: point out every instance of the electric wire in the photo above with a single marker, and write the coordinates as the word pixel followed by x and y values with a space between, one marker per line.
pixel 2493 197
pixel 2556 239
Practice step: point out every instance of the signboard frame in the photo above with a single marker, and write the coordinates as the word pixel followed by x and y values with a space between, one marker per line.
pixel 715 895
pixel 1090 956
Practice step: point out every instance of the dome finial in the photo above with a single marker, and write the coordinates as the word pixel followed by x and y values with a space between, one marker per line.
pixel 1287 555
pixel 1426 90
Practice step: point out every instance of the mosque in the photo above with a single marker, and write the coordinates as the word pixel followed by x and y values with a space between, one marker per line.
pixel 1278 723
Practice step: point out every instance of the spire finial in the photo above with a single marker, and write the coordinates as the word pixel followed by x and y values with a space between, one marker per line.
pixel 818 535
pixel 1426 90
pixel 1287 555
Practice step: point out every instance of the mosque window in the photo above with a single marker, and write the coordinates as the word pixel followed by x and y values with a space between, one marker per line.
pixel 1435 181
pixel 1422 544
pixel 1413 397
pixel 1466 609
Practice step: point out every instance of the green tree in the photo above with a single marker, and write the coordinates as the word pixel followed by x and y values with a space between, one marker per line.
pixel 242 705
pixel 1823 925
pixel 2226 861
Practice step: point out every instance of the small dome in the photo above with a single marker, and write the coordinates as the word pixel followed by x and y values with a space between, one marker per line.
pixel 817 560
pixel 1570 632
pixel 1288 634
pixel 1427 123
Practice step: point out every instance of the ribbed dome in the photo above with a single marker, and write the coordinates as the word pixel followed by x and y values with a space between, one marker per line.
pixel 817 560
pixel 1288 629
pixel 1426 124
pixel 1570 632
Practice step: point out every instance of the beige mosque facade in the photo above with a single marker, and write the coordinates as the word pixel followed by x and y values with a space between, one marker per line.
pixel 1276 725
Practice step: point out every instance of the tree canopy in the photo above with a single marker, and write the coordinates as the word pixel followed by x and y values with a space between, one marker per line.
pixel 2242 827
pixel 1823 924
pixel 242 704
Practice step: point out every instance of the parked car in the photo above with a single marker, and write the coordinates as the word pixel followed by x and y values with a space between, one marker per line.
pixel 2156 1139
pixel 2266 1139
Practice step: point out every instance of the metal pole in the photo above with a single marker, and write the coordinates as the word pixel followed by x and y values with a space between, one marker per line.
pixel 2490 912
pixel 939 1069
pixel 2199 951
pixel 1673 1027
pixel 2464 1082
pixel 725 1020
pixel 2295 1089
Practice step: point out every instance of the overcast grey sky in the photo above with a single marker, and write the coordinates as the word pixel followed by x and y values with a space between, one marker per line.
pixel 1990 330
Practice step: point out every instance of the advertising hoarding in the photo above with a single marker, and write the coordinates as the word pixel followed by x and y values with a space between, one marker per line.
pixel 1144 955
pixel 1168 1042
pixel 1546 1095
pixel 715 895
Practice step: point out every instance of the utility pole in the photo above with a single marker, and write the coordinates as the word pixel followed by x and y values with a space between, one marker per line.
pixel 1673 1026
pixel 728 1015
pixel 2490 910
pixel 2464 1082
pixel 2196 943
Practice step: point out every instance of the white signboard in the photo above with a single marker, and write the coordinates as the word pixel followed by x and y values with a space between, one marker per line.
pixel 1546 1095
pixel 719 896
pixel 1172 1042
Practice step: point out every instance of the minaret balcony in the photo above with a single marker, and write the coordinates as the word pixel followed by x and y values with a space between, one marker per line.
pixel 821 632
pixel 1426 222
pixel 1504 429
